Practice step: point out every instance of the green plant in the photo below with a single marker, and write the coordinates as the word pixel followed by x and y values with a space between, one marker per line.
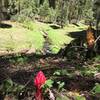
pixel 96 89
pixel 51 15
pixel 27 23
pixel 48 84
pixel 60 85
pixel 8 86
pixel 88 71
pixel 62 72
pixel 57 72
pixel 62 98
pixel 22 60
pixel 44 10
pixel 80 98
pixel 61 13
pixel 22 9
pixel 97 58
pixel 10 44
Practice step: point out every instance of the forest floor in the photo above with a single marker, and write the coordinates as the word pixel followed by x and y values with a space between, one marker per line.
pixel 78 78
pixel 73 78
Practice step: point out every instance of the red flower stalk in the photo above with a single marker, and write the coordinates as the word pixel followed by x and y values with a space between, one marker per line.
pixel 39 80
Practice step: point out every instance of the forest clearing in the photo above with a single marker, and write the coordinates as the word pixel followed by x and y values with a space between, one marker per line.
pixel 49 50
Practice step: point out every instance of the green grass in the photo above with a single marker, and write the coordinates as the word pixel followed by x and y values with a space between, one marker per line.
pixel 28 34
pixel 58 38
pixel 18 38
pixel 74 28
pixel 36 39
pixel 36 25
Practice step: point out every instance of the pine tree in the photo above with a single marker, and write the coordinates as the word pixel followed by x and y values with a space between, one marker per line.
pixel 96 9
pixel 96 13
pixel 61 12
pixel 44 10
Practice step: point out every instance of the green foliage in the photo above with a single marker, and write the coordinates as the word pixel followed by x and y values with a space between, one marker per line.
pixel 65 10
pixel 18 18
pixel 62 98
pixel 69 10
pixel 28 8
pixel 57 73
pixel 97 58
pixel 47 85
pixel 58 38
pixel 51 15
pixel 63 72
pixel 8 86
pixel 28 24
pixel 88 13
pixel 19 60
pixel 88 71
pixel 22 60
pixel 22 9
pixel 80 98
pixel 60 85
pixel 12 7
pixel 96 89
pixel 84 71
pixel 96 9
pixel 44 10
pixel 97 67
pixel 61 13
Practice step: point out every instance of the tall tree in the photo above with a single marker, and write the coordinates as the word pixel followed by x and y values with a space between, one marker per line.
pixel 96 10
pixel 61 12
pixel 44 10
pixel 3 9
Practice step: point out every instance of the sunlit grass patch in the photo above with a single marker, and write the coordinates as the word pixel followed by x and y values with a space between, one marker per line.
pixel 29 35
pixel 74 28
pixel 58 38
pixel 35 38
pixel 35 25
pixel 18 38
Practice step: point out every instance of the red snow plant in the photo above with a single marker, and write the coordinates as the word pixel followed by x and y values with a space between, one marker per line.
pixel 39 81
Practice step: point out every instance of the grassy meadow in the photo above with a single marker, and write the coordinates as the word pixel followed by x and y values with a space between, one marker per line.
pixel 29 35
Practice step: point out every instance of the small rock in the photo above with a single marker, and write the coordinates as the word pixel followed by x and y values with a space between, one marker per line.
pixel 8 97
pixel 32 50
pixel 97 76
pixel 24 50
pixel 42 61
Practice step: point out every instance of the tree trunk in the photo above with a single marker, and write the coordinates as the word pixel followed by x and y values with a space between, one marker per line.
pixel 3 9
pixel 52 3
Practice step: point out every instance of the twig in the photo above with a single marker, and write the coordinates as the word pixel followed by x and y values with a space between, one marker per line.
pixel 28 81
pixel 96 41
